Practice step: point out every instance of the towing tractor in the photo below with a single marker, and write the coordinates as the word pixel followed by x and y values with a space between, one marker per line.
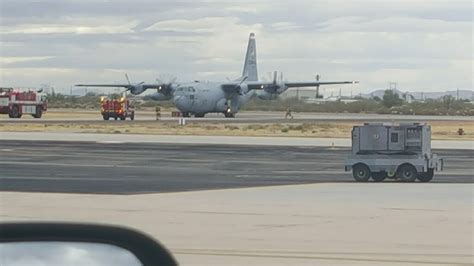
pixel 401 152
pixel 117 108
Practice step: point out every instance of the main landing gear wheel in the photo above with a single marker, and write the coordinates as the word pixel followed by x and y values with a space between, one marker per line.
pixel 361 172
pixel 199 115
pixel 15 112
pixel 38 113
pixel 407 173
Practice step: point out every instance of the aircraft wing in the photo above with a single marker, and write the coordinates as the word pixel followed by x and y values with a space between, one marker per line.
pixel 257 85
pixel 316 83
pixel 233 87
pixel 144 86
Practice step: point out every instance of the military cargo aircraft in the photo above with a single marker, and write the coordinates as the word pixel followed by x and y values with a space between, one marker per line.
pixel 201 97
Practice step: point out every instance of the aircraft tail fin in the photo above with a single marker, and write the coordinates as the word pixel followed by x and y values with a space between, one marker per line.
pixel 250 64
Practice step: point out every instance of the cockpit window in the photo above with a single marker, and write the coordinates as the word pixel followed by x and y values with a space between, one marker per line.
pixel 186 89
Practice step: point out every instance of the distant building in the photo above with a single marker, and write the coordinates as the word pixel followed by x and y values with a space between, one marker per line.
pixel 309 95
pixel 422 96
pixel 301 94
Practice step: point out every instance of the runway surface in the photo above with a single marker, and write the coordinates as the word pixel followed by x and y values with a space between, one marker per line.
pixel 87 117
pixel 208 140
pixel 130 168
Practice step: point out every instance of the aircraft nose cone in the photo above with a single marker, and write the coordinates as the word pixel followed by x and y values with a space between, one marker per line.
pixel 179 101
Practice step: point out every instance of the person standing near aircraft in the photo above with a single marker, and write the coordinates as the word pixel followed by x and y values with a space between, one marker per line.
pixel 288 113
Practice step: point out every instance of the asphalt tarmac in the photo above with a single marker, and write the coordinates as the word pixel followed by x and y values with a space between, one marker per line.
pixel 144 117
pixel 133 168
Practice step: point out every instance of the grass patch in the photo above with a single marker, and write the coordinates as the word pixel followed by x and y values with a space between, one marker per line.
pixel 230 127
pixel 295 127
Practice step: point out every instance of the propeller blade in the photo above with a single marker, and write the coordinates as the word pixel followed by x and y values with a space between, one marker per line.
pixel 128 80
pixel 275 73
pixel 174 80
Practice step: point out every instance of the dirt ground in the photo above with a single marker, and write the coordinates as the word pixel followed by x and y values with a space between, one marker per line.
pixel 442 130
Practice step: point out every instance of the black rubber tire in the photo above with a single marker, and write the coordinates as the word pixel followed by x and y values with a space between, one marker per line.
pixel 115 117
pixel 185 114
pixel 39 112
pixel 106 117
pixel 426 177
pixel 14 112
pixel 229 115
pixel 361 172
pixel 407 173
pixel 122 117
pixel 379 176
pixel 199 115
pixel 132 116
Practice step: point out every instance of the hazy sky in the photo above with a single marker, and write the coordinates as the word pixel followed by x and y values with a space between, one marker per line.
pixel 423 45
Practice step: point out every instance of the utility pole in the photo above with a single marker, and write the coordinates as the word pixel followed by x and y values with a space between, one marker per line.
pixel 392 85
pixel 317 87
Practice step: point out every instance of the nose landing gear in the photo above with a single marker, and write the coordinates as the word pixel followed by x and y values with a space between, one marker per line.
pixel 228 113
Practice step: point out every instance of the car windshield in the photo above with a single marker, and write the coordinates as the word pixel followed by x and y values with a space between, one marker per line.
pixel 244 132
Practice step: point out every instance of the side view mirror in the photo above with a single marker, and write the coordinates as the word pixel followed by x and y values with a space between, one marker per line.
pixel 70 244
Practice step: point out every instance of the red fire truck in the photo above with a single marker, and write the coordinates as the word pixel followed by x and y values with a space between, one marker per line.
pixel 116 108
pixel 16 103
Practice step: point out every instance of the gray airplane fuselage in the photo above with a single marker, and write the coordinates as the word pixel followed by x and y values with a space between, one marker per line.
pixel 204 97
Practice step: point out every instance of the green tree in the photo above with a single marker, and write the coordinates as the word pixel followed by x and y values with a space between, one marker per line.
pixel 448 101
pixel 391 99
